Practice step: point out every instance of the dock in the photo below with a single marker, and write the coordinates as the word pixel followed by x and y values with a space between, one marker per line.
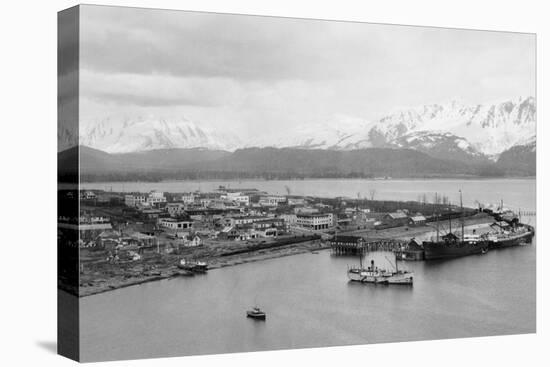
pixel 355 245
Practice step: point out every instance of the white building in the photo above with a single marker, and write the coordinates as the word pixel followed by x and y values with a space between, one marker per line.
pixel 296 201
pixel 188 198
pixel 175 224
pixel 241 220
pixel 314 221
pixel 133 200
pixel 272 200
pixel 237 197
pixel 156 197
pixel 289 219
pixel 192 241
pixel 89 195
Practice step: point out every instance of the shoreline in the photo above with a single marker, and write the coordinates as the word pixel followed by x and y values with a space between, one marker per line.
pixel 214 264
pixel 435 178
pixel 219 262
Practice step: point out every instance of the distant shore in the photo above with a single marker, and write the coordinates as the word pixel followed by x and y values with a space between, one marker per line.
pixel 442 178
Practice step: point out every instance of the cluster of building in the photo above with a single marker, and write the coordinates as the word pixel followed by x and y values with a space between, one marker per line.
pixel 151 220
pixel 401 218
pixel 231 214
pixel 154 219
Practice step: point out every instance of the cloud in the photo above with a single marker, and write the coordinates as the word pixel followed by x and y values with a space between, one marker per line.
pixel 182 43
pixel 265 73
pixel 157 90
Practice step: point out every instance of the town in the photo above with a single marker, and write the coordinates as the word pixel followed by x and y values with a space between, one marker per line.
pixel 131 238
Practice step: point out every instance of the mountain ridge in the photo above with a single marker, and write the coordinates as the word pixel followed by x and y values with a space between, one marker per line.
pixel 452 130
pixel 279 163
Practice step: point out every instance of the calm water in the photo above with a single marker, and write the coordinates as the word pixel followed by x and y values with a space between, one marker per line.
pixel 515 192
pixel 310 302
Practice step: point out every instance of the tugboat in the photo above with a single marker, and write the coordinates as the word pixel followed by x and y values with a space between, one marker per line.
pixel 256 313
pixel 372 274
pixel 369 275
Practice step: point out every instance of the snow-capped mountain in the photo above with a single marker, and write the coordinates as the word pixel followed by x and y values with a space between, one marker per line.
pixel 149 133
pixel 338 133
pixel 489 129
pixel 453 130
pixel 439 144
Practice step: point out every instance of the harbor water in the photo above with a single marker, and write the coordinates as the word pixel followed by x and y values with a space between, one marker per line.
pixel 310 302
pixel 516 193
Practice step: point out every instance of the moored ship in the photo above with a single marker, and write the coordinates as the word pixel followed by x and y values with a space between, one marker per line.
pixel 510 234
pixel 451 246
pixel 373 274
pixel 507 230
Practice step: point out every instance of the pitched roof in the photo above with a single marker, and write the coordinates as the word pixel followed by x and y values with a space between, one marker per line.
pixel 397 215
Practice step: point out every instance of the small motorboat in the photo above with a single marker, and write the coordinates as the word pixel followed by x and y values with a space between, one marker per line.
pixel 256 314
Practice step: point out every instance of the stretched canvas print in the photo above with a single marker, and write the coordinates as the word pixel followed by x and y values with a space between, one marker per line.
pixel 235 183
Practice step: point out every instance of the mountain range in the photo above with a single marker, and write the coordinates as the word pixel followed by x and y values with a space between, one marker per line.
pixel 278 163
pixel 453 130
pixel 432 140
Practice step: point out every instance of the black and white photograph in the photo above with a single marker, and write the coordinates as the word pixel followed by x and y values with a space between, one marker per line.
pixel 275 183
pixel 236 183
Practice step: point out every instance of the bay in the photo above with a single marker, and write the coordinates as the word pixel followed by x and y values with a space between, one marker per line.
pixel 308 299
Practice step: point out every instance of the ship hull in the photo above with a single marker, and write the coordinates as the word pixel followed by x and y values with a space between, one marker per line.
pixel 442 250
pixel 255 316
pixel 403 279
pixel 364 276
pixel 514 239
pixel 518 240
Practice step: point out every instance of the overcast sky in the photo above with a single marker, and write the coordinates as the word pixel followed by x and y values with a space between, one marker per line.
pixel 259 74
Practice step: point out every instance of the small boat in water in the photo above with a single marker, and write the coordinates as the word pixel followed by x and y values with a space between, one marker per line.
pixel 373 274
pixel 256 313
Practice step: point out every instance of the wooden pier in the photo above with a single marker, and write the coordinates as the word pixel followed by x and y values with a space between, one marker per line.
pixel 353 245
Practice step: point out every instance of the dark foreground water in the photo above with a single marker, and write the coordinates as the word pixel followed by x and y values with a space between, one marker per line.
pixel 310 303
